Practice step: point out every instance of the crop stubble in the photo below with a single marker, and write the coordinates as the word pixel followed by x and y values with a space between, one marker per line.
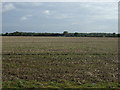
pixel 77 59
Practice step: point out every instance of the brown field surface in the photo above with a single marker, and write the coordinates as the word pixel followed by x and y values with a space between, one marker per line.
pixel 71 62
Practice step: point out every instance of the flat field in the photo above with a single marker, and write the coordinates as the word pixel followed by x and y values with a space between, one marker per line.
pixel 65 62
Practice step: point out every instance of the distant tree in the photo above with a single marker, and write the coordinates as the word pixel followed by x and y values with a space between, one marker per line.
pixel 114 34
pixel 6 34
pixel 118 35
pixel 76 34
pixel 16 33
pixel 65 33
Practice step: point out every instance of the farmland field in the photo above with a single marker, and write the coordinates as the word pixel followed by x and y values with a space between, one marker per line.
pixel 65 62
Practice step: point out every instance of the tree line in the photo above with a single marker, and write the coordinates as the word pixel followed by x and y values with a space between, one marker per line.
pixel 64 34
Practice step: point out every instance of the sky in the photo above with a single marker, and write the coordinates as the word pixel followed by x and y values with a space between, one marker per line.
pixel 56 17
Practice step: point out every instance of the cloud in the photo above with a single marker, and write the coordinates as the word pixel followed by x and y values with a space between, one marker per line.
pixel 60 0
pixel 0 8
pixel 31 4
pixel 63 16
pixel 60 16
pixel 47 12
pixel 8 7
pixel 75 23
pixel 25 17
pixel 37 4
pixel 101 10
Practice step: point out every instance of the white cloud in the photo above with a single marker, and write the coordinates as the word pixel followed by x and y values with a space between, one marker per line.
pixel 57 15
pixel 34 4
pixel 104 17
pixel 60 0
pixel 8 7
pixel 0 8
pixel 63 16
pixel 37 4
pixel 29 15
pixel 75 23
pixel 101 11
pixel 25 17
pixel 47 12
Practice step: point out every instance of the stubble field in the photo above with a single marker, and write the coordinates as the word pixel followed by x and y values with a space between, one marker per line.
pixel 65 62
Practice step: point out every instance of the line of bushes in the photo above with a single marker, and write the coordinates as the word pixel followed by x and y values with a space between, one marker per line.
pixel 65 34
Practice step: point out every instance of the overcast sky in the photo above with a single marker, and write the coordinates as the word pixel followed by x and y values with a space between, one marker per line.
pixel 59 17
